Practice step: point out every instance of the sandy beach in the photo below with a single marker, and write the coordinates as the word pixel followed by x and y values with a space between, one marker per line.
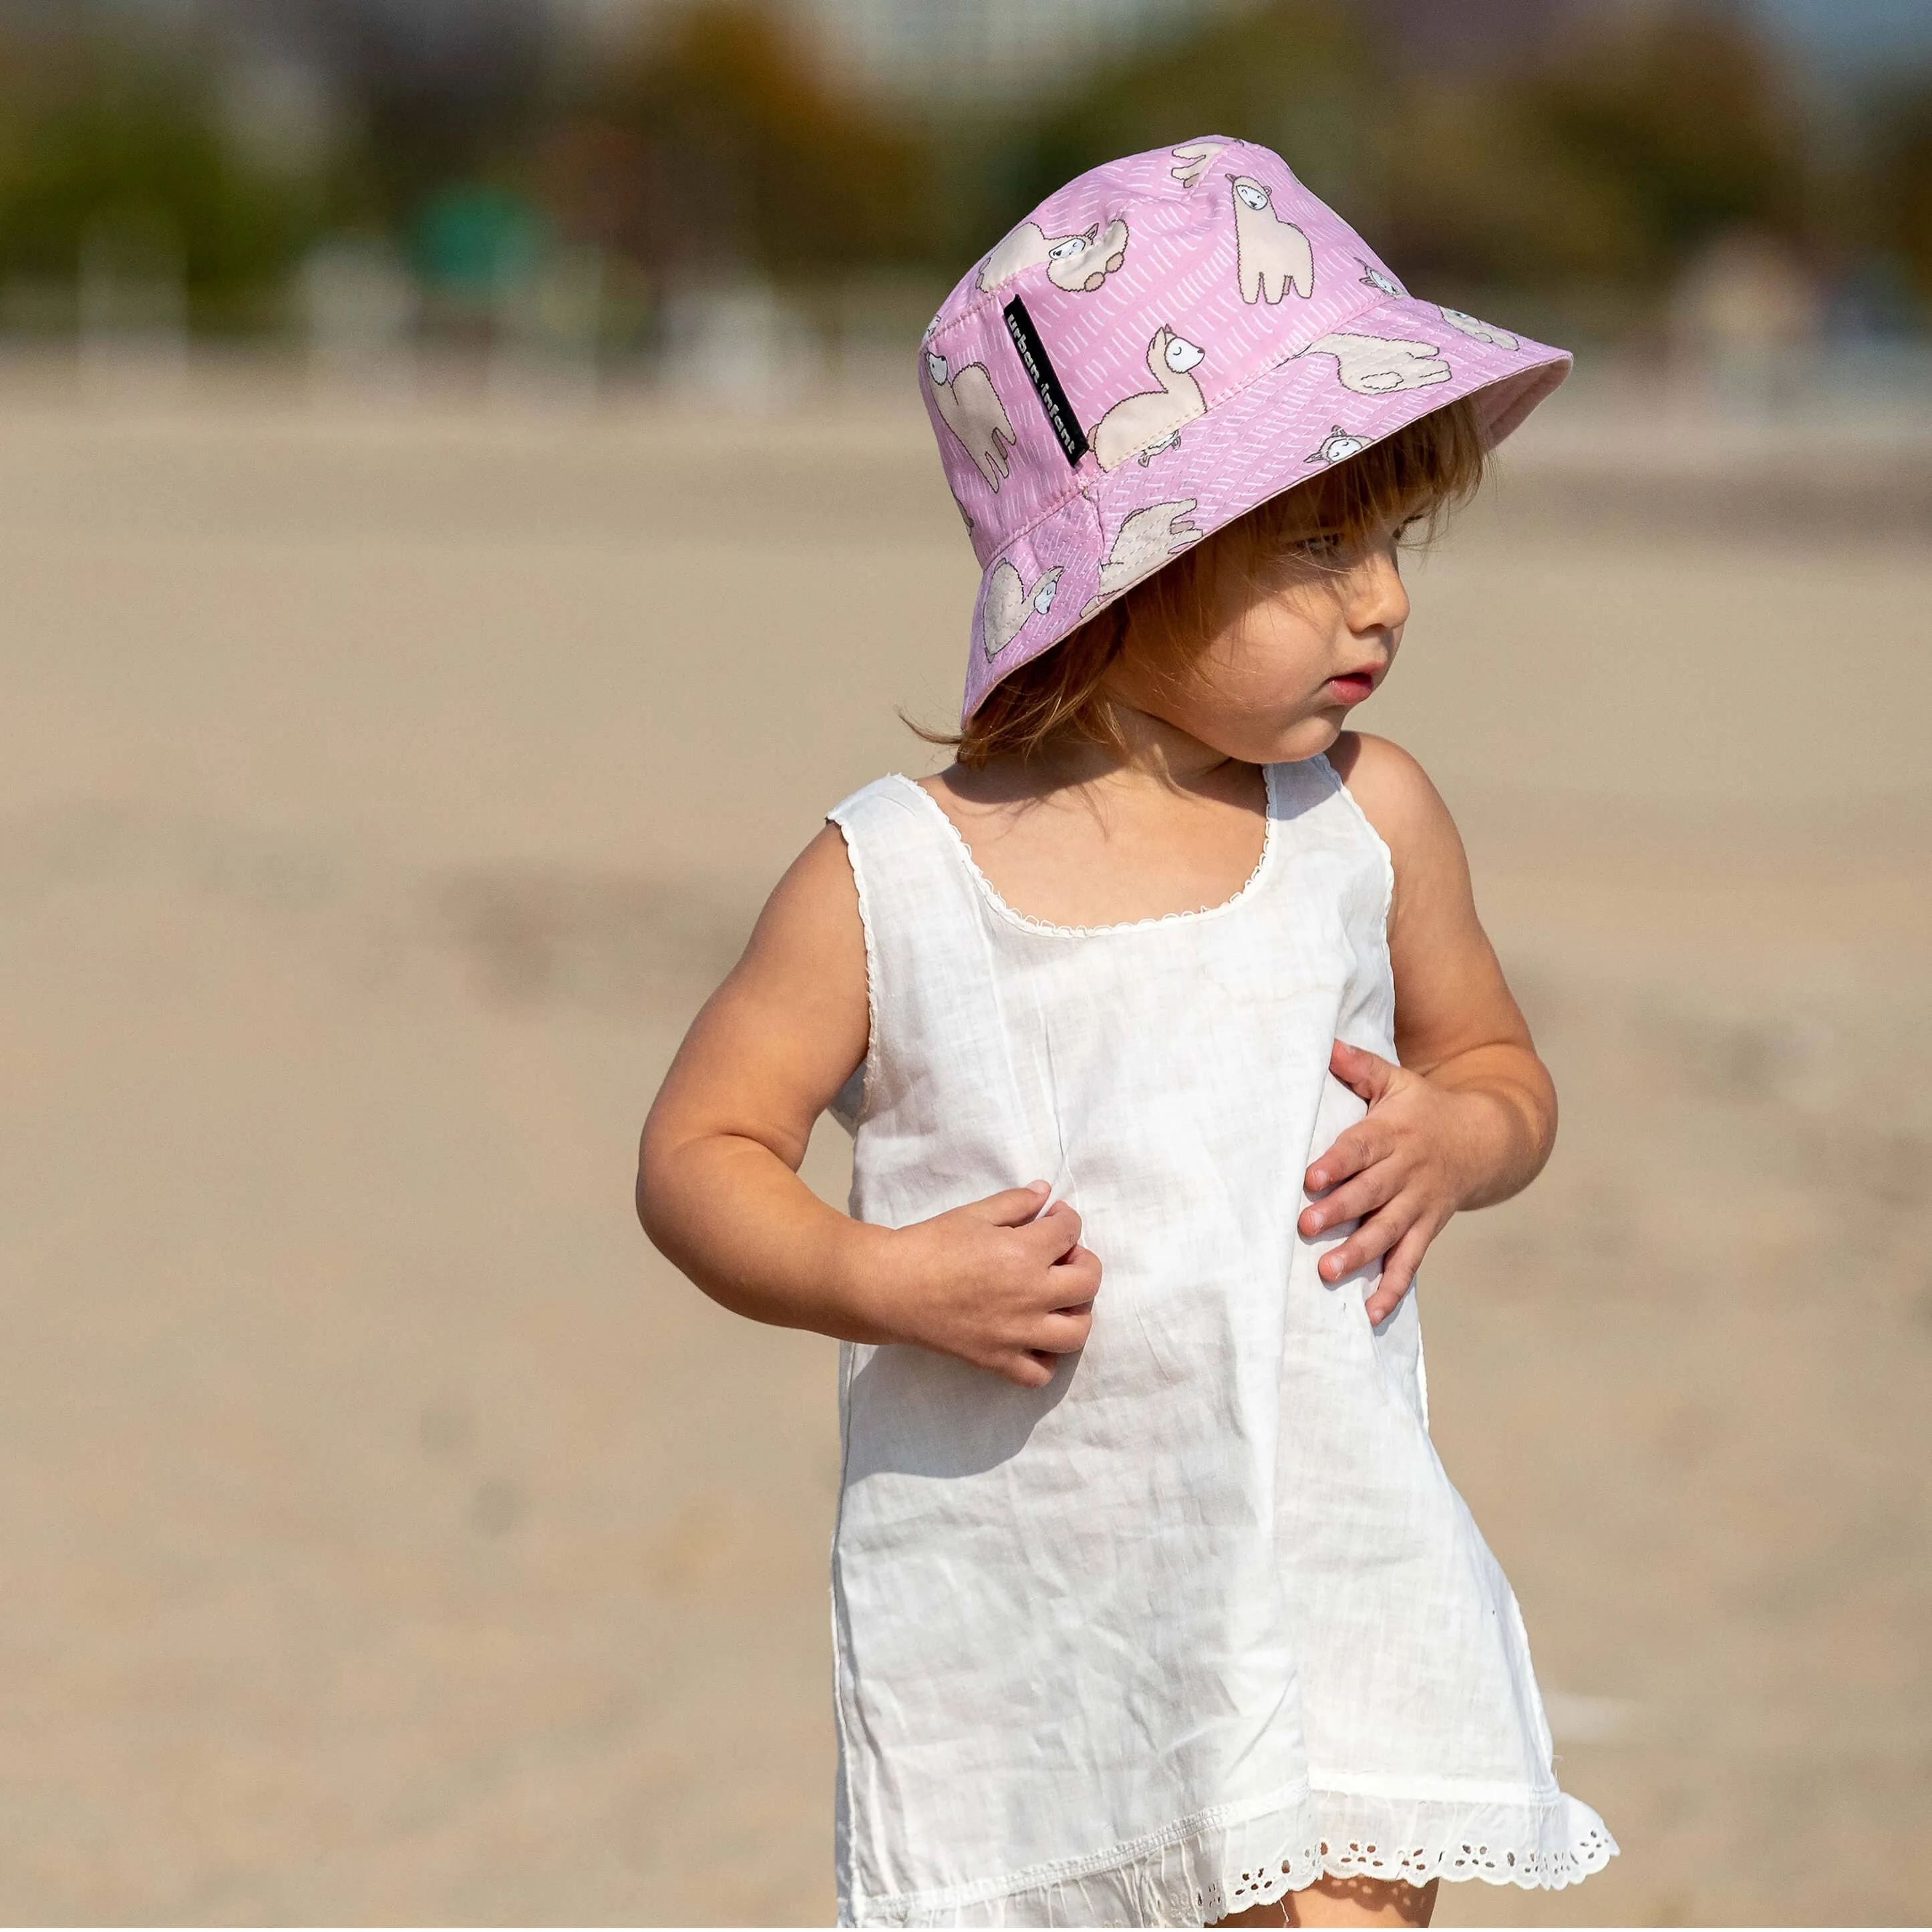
pixel 391 1538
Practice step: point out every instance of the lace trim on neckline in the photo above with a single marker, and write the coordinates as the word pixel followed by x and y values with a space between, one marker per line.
pixel 1047 928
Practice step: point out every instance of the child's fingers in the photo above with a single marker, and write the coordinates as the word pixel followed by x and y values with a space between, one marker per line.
pixel 1398 1275
pixel 1056 1232
pixel 1368 1073
pixel 1373 1238
pixel 1362 1194
pixel 1075 1279
pixel 1064 1331
pixel 1354 1149
pixel 1013 1208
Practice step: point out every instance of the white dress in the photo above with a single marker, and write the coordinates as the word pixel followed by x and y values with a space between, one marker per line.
pixel 1202 1618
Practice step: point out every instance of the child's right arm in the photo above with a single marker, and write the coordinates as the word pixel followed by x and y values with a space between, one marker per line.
pixel 995 1283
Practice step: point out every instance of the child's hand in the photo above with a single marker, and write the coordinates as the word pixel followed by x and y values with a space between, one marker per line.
pixel 996 1283
pixel 1402 1170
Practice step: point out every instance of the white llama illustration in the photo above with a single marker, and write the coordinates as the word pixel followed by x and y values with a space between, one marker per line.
pixel 1195 159
pixel 1378 365
pixel 1144 541
pixel 1025 247
pixel 1010 602
pixel 1145 424
pixel 1480 331
pixel 970 407
pixel 1272 255
pixel 1337 444
pixel 1376 279
pixel 1079 263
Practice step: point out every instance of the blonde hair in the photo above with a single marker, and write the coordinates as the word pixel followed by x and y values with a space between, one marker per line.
pixel 1422 471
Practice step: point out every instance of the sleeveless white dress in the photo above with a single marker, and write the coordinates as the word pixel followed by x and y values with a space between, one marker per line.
pixel 1203 1618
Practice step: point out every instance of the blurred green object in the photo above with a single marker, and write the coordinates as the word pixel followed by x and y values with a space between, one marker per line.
pixel 472 242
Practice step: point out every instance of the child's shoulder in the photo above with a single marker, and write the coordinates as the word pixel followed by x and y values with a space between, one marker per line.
pixel 1379 767
pixel 1396 797
pixel 818 902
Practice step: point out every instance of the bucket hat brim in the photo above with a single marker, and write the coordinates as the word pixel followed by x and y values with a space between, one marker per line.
pixel 1396 360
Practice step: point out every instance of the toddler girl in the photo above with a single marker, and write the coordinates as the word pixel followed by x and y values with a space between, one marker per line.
pixel 1169 1039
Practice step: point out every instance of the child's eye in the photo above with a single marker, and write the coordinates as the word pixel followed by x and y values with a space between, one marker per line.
pixel 1324 545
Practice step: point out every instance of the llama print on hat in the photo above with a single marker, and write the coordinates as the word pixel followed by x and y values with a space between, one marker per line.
pixel 1339 444
pixel 1145 424
pixel 1378 365
pixel 1195 159
pixel 1079 263
pixel 1144 541
pixel 970 407
pixel 1271 256
pixel 1376 279
pixel 1480 331
pixel 1010 602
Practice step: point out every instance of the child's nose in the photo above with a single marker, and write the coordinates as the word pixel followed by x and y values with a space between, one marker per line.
pixel 1378 599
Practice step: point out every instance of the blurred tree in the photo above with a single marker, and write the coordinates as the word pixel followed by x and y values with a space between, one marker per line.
pixel 735 154
pixel 1302 76
pixel 1685 119
pixel 1901 190
pixel 1482 190
pixel 101 144
pixel 1603 166
pixel 719 147
pixel 1599 162
pixel 446 91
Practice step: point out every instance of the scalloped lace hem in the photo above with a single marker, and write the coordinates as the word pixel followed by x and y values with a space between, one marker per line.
pixel 1206 1867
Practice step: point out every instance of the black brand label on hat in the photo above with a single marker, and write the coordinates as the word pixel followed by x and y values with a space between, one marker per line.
pixel 1060 416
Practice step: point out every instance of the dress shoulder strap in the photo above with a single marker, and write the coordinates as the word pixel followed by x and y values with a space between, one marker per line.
pixel 923 918
pixel 904 857
pixel 1315 807
pixel 878 810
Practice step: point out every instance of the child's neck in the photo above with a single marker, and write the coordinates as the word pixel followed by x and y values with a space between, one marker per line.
pixel 1087 835
pixel 1153 754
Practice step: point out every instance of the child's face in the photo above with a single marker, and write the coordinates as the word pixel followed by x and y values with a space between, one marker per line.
pixel 1290 656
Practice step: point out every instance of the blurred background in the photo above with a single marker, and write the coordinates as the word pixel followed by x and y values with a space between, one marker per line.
pixel 508 182
pixel 450 454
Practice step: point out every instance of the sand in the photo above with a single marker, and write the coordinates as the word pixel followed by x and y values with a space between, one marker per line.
pixel 390 1537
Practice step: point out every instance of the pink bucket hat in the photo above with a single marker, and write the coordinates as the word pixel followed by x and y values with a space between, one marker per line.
pixel 1165 343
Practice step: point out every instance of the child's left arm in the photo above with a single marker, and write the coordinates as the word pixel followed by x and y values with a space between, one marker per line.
pixel 1467 1118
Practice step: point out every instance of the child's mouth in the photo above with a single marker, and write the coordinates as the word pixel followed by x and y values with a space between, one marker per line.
pixel 1352 686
